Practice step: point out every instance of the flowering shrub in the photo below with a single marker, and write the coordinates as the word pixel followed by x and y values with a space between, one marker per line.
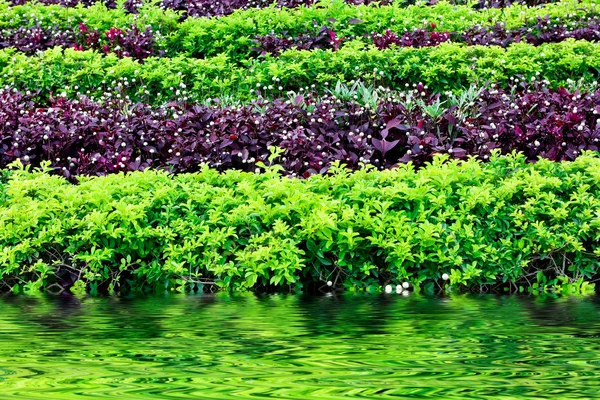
pixel 85 137
pixel 483 226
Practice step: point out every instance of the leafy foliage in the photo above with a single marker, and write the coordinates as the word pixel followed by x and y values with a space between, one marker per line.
pixel 495 225
pixel 124 43
pixel 210 8
pixel 356 125
pixel 233 35
pixel 448 66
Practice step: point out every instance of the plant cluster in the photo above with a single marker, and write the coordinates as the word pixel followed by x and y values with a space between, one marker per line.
pixel 355 126
pixel 415 38
pixel 503 225
pixel 130 42
pixel 32 39
pixel 324 38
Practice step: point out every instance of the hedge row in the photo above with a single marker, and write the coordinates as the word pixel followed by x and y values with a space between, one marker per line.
pixel 80 137
pixel 210 8
pixel 496 225
pixel 449 66
pixel 141 44
pixel 233 35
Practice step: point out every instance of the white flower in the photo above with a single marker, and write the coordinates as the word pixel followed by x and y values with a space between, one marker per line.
pixel 388 289
pixel 398 289
pixel 445 277
pixel 329 283
pixel 405 285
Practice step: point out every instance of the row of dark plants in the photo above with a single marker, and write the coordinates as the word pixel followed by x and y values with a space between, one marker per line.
pixel 211 8
pixel 93 138
pixel 132 42
pixel 542 31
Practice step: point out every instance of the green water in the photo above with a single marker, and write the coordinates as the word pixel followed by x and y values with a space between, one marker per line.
pixel 290 347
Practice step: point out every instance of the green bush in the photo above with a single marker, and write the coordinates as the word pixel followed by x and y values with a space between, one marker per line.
pixel 232 35
pixel 504 225
pixel 445 67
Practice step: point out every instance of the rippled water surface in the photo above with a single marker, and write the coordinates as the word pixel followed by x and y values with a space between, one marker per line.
pixel 291 347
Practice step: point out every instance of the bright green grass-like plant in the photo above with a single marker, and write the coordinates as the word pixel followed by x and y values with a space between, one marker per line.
pixel 503 225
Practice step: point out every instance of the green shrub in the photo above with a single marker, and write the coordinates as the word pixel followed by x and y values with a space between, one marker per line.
pixel 445 67
pixel 504 225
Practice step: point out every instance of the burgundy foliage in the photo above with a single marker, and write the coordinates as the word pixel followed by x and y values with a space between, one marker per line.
pixel 416 38
pixel 543 31
pixel 86 137
pixel 481 4
pixel 32 39
pixel 325 38
pixel 124 43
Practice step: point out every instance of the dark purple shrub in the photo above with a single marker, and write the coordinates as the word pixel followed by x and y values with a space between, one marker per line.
pixel 124 43
pixel 543 31
pixel 325 38
pixel 481 4
pixel 496 35
pixel 86 137
pixel 32 39
pixel 415 38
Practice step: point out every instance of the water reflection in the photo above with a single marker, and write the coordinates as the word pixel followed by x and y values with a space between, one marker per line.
pixel 284 346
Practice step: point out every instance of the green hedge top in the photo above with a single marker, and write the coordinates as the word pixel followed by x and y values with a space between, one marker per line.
pixel 505 222
pixel 445 67
pixel 233 34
